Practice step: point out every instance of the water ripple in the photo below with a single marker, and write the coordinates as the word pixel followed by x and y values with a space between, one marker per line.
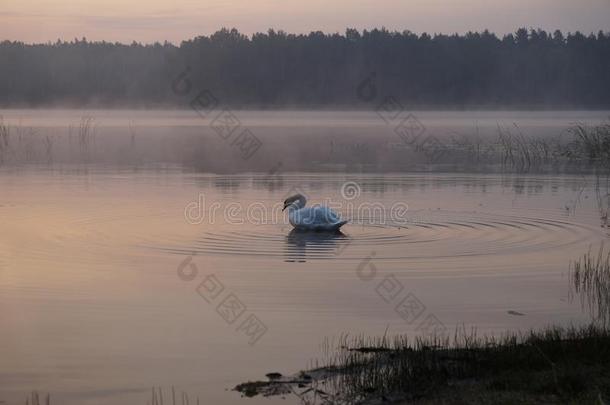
pixel 432 234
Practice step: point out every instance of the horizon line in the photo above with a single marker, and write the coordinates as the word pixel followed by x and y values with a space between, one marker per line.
pixel 305 34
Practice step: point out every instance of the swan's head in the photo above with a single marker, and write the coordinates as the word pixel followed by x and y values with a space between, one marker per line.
pixel 298 199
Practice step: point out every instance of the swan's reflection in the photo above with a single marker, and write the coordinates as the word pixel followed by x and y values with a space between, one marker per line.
pixel 301 245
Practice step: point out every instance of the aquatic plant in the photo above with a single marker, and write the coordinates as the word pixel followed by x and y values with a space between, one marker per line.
pixel 4 140
pixel 587 147
pixel 132 135
pixel 158 397
pixel 477 149
pixel 34 399
pixel 27 139
pixel 590 275
pixel 523 153
pixel 590 143
pixel 48 144
pixel 85 135
pixel 26 148
pixel 602 198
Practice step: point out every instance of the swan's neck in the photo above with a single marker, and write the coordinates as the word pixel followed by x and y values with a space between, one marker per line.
pixel 297 204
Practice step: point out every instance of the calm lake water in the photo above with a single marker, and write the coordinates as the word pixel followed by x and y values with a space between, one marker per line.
pixel 115 279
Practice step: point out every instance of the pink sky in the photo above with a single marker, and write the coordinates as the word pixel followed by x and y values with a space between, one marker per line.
pixel 155 20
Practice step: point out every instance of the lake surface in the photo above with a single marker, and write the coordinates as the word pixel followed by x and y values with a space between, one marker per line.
pixel 118 278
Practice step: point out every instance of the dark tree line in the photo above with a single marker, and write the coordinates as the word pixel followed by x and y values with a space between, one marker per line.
pixel 528 68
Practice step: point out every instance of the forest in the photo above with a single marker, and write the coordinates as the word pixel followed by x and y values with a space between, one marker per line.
pixel 528 69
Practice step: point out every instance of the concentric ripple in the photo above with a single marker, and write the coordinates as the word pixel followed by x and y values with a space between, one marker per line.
pixel 425 234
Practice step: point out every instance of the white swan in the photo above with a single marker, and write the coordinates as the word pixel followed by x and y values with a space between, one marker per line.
pixel 317 218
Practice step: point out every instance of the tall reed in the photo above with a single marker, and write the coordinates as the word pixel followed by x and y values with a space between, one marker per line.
pixel 158 397
pixel 4 140
pixel 34 399
pixel 591 280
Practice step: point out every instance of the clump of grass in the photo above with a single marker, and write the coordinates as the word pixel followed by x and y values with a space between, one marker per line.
pixel 25 146
pixel 591 143
pixel 553 365
pixel 523 153
pixel 477 149
pixel 587 147
pixel 591 280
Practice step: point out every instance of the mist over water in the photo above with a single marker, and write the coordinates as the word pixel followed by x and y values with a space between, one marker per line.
pixel 280 141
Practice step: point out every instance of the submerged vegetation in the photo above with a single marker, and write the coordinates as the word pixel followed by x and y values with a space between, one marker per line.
pixel 567 365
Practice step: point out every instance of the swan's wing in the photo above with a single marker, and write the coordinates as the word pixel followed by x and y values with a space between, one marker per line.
pixel 325 215
pixel 314 216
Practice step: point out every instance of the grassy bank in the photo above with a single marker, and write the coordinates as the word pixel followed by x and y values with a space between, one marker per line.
pixel 555 365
